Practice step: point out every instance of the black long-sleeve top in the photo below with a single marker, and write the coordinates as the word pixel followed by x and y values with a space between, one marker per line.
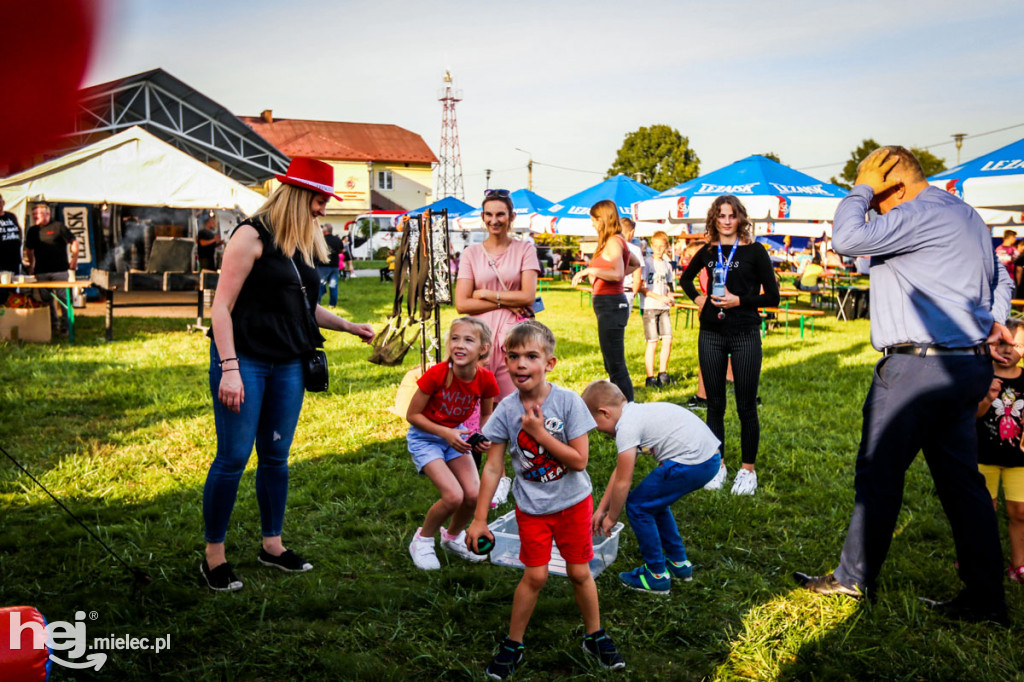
pixel 750 271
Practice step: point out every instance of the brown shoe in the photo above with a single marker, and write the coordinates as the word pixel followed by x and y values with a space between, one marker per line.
pixel 826 584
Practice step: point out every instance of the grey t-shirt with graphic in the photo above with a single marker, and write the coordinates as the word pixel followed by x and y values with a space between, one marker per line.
pixel 668 431
pixel 543 485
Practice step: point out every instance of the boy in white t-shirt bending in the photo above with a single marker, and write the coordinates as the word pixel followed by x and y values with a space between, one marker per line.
pixel 688 456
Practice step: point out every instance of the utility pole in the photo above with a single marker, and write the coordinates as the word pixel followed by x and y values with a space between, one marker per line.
pixel 959 139
pixel 529 169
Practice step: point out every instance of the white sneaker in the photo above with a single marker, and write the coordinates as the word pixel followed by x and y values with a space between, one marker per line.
pixel 716 482
pixel 421 550
pixel 457 546
pixel 745 483
pixel 501 492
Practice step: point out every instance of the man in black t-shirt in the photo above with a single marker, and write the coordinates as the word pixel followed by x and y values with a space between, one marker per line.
pixel 46 245
pixel 208 239
pixel 10 246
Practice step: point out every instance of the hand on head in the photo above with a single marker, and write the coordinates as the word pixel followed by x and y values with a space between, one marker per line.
pixel 876 172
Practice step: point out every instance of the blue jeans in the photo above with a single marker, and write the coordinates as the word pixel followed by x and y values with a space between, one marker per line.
pixel 269 414
pixel 612 313
pixel 925 404
pixel 329 280
pixel 649 508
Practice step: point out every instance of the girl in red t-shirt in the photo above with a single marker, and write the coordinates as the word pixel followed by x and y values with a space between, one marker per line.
pixel 446 396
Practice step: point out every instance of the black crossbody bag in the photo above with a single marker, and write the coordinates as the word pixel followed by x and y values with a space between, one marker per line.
pixel 314 363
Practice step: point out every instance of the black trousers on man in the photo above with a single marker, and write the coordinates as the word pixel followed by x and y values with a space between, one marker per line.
pixel 925 404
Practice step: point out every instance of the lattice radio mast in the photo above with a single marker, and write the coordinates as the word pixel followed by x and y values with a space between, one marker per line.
pixel 449 177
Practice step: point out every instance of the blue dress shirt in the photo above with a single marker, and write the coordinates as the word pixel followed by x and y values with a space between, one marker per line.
pixel 934 275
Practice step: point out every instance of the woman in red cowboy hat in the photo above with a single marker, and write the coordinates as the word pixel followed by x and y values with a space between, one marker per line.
pixel 260 334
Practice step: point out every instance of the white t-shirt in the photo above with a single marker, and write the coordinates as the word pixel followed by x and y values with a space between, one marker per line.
pixel 667 431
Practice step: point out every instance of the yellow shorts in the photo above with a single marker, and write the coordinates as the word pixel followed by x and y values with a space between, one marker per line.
pixel 1013 481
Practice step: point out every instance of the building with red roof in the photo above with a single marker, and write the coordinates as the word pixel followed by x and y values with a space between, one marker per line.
pixel 395 163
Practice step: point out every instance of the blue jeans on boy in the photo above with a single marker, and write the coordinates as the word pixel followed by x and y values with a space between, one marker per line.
pixel 329 280
pixel 649 508
pixel 268 417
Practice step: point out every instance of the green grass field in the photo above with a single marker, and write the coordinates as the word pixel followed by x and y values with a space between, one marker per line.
pixel 123 433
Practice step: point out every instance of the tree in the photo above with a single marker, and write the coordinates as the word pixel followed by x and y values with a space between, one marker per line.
pixel 773 156
pixel 660 153
pixel 930 163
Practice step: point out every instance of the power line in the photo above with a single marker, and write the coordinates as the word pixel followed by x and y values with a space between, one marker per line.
pixel 927 146
pixel 575 170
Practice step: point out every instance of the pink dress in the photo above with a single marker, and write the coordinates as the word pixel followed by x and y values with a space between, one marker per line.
pixel 473 265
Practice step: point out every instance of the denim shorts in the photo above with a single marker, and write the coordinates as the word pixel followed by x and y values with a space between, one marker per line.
pixel 426 447
pixel 657 324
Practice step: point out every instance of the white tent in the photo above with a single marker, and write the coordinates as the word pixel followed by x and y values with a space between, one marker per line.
pixel 131 168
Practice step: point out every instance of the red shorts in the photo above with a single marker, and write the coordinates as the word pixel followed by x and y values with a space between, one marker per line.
pixel 570 529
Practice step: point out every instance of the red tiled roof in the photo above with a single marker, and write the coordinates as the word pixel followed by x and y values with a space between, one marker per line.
pixel 340 141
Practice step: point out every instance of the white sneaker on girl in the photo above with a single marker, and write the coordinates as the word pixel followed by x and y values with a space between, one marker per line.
pixel 421 550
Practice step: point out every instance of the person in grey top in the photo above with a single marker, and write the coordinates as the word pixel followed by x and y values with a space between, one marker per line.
pixel 938 300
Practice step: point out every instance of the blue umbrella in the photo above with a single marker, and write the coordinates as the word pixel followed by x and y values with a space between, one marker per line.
pixel 572 214
pixel 768 190
pixel 455 207
pixel 995 180
pixel 525 203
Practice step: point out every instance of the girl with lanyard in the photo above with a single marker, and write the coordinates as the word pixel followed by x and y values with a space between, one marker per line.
pixel 742 280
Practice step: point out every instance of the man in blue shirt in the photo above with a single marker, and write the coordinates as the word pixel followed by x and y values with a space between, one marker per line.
pixel 938 299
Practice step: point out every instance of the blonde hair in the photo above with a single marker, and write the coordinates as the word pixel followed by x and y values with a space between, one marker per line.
pixel 602 393
pixel 606 213
pixel 531 331
pixel 660 234
pixel 486 337
pixel 288 215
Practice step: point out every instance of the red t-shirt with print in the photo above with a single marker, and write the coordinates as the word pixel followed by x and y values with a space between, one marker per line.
pixel 453 404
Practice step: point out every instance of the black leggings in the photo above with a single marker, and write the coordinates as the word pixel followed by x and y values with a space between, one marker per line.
pixel 714 350
pixel 612 311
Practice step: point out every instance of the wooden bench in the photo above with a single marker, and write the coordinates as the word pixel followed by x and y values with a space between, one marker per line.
pixel 587 291
pixel 543 283
pixel 688 308
pixel 790 312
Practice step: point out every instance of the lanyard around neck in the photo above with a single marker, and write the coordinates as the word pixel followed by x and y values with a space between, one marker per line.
pixel 723 263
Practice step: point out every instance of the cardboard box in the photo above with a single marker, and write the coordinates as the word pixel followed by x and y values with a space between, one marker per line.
pixel 25 324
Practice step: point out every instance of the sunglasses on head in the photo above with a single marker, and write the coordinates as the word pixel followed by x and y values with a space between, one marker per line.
pixel 496 192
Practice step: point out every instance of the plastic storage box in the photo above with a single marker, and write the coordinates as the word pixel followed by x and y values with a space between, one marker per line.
pixel 506 547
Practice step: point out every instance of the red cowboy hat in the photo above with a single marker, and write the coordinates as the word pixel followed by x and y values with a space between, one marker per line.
pixel 310 174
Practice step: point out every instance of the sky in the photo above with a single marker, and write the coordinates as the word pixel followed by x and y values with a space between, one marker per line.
pixel 566 81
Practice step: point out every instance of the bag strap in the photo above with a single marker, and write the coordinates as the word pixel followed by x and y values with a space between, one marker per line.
pixel 310 315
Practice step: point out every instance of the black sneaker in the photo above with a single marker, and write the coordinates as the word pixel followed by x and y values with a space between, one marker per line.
pixel 509 655
pixel 651 383
pixel 220 579
pixel 289 561
pixel 663 379
pixel 697 403
pixel 601 647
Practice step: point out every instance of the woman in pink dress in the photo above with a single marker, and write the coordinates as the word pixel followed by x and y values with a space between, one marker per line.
pixel 497 280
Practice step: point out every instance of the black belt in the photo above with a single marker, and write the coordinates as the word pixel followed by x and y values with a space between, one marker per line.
pixel 926 350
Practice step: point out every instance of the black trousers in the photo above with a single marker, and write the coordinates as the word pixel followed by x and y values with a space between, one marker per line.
pixel 612 312
pixel 713 351
pixel 924 404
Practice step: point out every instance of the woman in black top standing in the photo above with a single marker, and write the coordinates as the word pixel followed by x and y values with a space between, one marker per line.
pixel 730 326
pixel 260 334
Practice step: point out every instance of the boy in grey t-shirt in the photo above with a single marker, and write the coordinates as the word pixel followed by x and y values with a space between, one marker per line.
pixel 688 456
pixel 544 428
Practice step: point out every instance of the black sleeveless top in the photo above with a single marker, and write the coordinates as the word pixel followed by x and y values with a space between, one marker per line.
pixel 269 318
